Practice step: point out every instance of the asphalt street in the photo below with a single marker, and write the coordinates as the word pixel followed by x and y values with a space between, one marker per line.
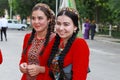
pixel 104 57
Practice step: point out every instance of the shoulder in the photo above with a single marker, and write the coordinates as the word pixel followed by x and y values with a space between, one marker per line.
pixel 52 36
pixel 80 43
pixel 27 35
pixel 52 40
pixel 80 47
pixel 79 40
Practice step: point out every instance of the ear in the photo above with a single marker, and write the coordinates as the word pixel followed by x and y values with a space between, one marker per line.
pixel 75 28
pixel 49 20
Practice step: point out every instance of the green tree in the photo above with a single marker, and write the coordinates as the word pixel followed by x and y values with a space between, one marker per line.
pixel 115 9
pixel 92 9
pixel 3 5
pixel 24 7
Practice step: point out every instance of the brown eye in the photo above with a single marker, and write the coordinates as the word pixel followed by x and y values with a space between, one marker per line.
pixel 33 18
pixel 40 18
pixel 58 23
pixel 66 24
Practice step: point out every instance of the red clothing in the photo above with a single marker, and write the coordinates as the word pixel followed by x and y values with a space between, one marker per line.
pixel 1 59
pixel 42 60
pixel 78 56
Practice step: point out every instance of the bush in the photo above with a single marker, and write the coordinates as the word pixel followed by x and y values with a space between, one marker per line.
pixel 116 34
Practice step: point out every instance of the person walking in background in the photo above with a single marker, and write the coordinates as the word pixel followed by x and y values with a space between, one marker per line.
pixel 24 21
pixel 68 53
pixel 32 63
pixel 0 23
pixel 93 29
pixel 83 27
pixel 87 29
pixel 4 27
pixel 1 59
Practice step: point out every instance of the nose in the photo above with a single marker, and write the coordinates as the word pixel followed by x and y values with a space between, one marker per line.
pixel 61 27
pixel 36 20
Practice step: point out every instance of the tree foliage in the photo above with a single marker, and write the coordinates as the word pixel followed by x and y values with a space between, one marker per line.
pixel 114 6
pixel 92 9
pixel 24 7
pixel 3 5
pixel 103 11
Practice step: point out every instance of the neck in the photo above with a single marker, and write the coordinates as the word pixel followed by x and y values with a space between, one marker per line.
pixel 63 43
pixel 41 35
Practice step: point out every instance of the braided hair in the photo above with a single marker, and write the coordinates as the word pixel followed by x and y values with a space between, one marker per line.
pixel 74 18
pixel 50 15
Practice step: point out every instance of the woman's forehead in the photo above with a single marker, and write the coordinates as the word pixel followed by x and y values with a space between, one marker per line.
pixel 63 18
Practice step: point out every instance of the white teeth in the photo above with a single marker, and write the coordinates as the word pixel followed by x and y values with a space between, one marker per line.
pixel 61 33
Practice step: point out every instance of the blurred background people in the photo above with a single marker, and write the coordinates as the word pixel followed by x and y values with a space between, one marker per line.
pixel 4 27
pixel 87 29
pixel 93 29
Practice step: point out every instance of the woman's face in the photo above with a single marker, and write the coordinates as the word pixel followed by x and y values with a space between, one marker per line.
pixel 39 21
pixel 65 27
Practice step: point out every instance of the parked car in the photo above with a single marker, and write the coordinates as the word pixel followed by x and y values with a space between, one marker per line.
pixel 13 24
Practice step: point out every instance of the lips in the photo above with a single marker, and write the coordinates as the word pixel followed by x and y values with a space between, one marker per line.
pixel 62 33
pixel 37 26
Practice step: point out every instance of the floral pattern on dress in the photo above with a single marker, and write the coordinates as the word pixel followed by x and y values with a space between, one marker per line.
pixel 33 54
pixel 55 65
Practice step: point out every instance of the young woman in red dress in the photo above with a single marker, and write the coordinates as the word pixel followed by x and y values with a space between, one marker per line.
pixel 1 59
pixel 69 56
pixel 31 64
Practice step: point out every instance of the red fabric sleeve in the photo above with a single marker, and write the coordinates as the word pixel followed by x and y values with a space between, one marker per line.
pixel 80 60
pixel 25 41
pixel 45 57
pixel 1 59
pixel 47 77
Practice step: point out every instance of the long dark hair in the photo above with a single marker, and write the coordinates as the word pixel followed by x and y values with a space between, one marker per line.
pixel 54 51
pixel 48 12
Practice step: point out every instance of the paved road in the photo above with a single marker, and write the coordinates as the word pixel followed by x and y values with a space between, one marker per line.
pixel 11 49
pixel 104 58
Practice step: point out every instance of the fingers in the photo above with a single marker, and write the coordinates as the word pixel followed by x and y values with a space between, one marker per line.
pixel 33 70
pixel 23 67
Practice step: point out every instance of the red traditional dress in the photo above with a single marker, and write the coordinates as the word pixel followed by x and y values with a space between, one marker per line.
pixel 32 56
pixel 78 56
pixel 1 59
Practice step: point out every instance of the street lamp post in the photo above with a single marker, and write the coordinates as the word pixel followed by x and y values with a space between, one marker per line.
pixel 56 6
pixel 10 2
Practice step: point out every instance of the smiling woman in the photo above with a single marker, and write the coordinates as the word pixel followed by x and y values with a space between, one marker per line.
pixel 69 56
pixel 32 63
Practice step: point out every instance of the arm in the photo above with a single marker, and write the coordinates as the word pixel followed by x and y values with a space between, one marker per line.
pixel 23 62
pixel 25 41
pixel 80 60
pixel 1 59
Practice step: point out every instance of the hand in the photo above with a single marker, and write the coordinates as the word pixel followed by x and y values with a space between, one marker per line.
pixel 34 70
pixel 23 67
